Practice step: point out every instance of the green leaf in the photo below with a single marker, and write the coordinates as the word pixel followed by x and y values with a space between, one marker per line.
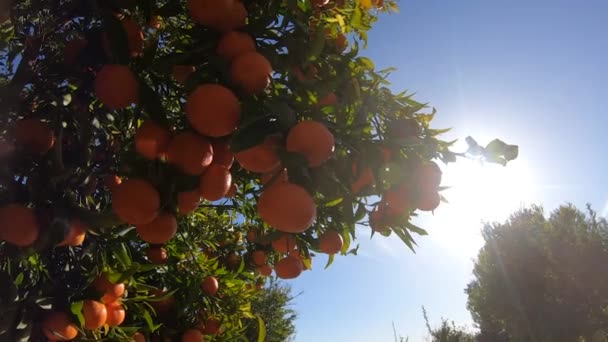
pixel 19 279
pixel 416 229
pixel 151 103
pixel 119 42
pixel 330 260
pixel 261 330
pixel 346 244
pixel 76 309
pixel 405 237
pixel 333 203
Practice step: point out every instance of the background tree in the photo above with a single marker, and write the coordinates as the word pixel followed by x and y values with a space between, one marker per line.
pixel 273 306
pixel 540 279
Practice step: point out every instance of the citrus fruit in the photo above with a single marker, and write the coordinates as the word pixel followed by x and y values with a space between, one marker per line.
pixel 138 337
pixel 427 176
pixel 396 201
pixel 258 257
pixel 210 12
pixel 213 110
pixel 95 314
pixel 234 43
pixel 135 201
pixel 289 267
pixel 210 286
pixel 155 22
pixel 76 235
pixel 313 140
pixel 251 236
pixel 232 191
pixel 157 255
pixel 58 326
pixel 188 201
pixel 135 36
pixel 287 207
pixel 192 335
pixel 215 182
pixel 212 327
pixel 152 139
pixel 285 243
pixel 378 221
pixel 36 136
pixel 115 314
pixel 18 225
pixel 265 270
pixel 341 42
pixel 181 73
pixel 251 71
pixel 428 200
pixel 111 181
pixel 191 153
pixel 72 50
pixel 277 176
pixel 237 18
pixel 363 179
pixel 160 230
pixel 164 305
pixel 116 86
pixel 222 154
pixel 330 242
pixel 262 157
pixel 103 285
pixel 330 99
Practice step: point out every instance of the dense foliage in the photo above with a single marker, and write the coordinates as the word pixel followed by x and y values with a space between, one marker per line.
pixel 273 306
pixel 541 279
pixel 159 159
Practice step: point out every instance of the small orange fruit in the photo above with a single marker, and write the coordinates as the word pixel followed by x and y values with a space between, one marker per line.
pixel 222 154
pixel 210 12
pixel 251 71
pixel 251 236
pixel 287 207
pixel 378 221
pixel 152 139
pixel 58 326
pixel 232 191
pixel 135 36
pixel 428 201
pixel 36 136
pixel 235 43
pixel 313 140
pixel 159 231
pixel 265 270
pixel 276 176
pixel 236 19
pixel 396 201
pixel 261 158
pixel 18 225
pixel 116 86
pixel 162 306
pixel 258 257
pixel 192 335
pixel 157 255
pixel 115 314
pixel 138 337
pixel 289 267
pixel 427 176
pixel 191 153
pixel 285 243
pixel 341 42
pixel 330 242
pixel 135 201
pixel 363 179
pixel 181 73
pixel 330 99
pixel 76 235
pixel 213 110
pixel 103 285
pixel 188 201
pixel 215 182
pixel 210 286
pixel 95 314
pixel 212 327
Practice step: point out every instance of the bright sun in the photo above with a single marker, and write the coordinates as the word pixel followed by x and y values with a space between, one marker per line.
pixel 479 192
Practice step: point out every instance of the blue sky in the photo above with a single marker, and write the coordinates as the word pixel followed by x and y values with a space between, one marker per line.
pixel 529 72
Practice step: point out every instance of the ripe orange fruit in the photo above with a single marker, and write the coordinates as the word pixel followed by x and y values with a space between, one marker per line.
pixel 234 43
pixel 210 12
pixel 251 71
pixel 222 154
pixel 212 327
pixel 213 110
pixel 135 36
pixel 396 201
pixel 275 176
pixel 313 140
pixel 428 200
pixel 330 242
pixel 289 267
pixel 115 314
pixel 162 306
pixel 191 153
pixel 188 201
pixel 387 154
pixel 159 231
pixel 116 86
pixel 378 3
pixel 111 181
pixel 95 314
pixel 135 201
pixel 76 235
pixel 138 337
pixel 287 207
pixel 265 270
pixel 157 255
pixel 36 136
pixel 363 178
pixel 152 139
pixel 236 19
pixel 181 73
pixel 232 191
pixel 18 225
pixel 155 22
pixel 192 335
pixel 378 221
pixel 285 243
pixel 330 99
pixel 258 257
pixel 305 75
pixel 72 50
pixel 58 326
pixel 210 286
pixel 260 158
pixel 113 290
pixel 341 42
pixel 251 236
pixel 427 176
pixel 215 182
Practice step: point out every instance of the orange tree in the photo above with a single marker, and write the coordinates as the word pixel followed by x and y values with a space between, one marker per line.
pixel 160 158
